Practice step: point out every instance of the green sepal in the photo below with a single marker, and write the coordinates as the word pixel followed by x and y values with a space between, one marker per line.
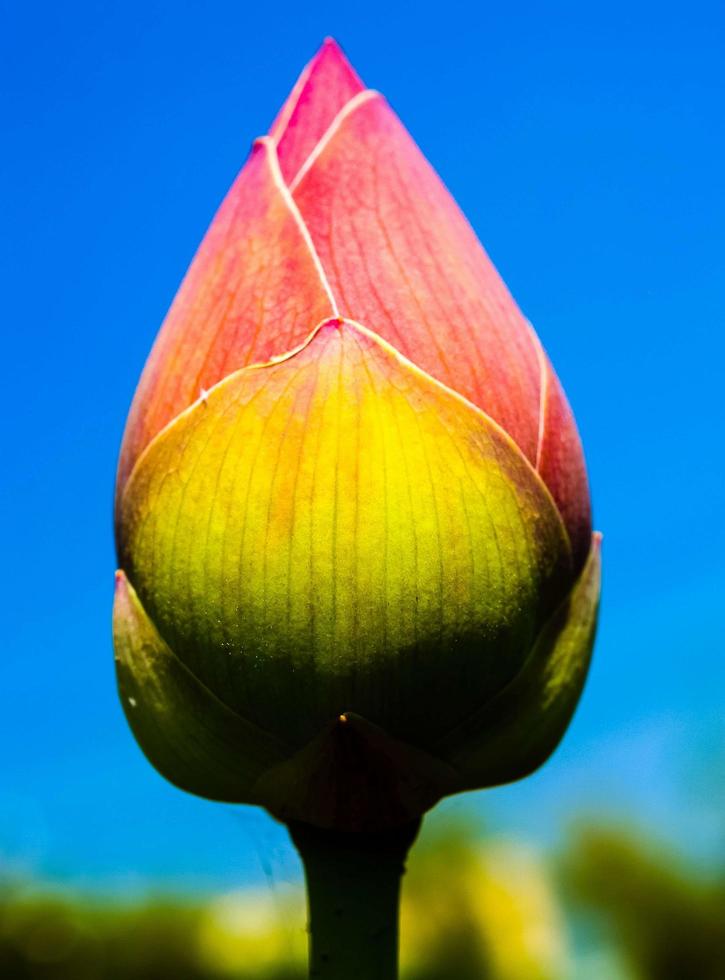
pixel 355 777
pixel 185 731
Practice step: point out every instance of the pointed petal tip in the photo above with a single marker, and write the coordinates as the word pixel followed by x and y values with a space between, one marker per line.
pixel 331 59
pixel 326 84
pixel 595 549
pixel 330 56
pixel 123 594
pixel 332 48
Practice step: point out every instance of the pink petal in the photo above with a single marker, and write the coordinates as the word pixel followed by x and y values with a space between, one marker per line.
pixel 402 259
pixel 252 291
pixel 561 465
pixel 326 84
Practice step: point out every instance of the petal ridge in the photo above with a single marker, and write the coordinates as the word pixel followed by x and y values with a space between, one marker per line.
pixel 560 462
pixel 357 100
pixel 284 190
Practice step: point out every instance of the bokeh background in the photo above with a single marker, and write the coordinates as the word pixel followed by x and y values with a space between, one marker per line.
pixel 585 142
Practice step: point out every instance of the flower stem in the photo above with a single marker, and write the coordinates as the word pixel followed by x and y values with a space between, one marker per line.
pixel 353 898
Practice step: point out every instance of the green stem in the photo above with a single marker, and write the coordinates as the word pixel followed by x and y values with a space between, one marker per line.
pixel 353 898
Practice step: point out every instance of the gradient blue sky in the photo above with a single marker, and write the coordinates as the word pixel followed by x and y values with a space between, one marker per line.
pixel 586 144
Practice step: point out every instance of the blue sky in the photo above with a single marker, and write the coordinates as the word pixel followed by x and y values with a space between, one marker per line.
pixel 585 144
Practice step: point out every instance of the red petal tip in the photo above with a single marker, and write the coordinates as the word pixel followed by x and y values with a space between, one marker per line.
pixel 331 48
pixel 331 63
pixel 326 84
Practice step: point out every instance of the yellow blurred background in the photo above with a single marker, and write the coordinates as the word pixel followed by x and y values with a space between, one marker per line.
pixel 610 905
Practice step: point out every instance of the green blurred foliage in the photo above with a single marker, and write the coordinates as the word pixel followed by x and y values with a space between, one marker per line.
pixel 46 936
pixel 473 909
pixel 667 917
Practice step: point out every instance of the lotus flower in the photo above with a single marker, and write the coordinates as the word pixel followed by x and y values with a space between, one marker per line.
pixel 357 567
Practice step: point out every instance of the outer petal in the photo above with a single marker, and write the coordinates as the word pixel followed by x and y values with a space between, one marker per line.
pixel 323 88
pixel 187 733
pixel 321 531
pixel 400 256
pixel 515 733
pixel 560 461
pixel 252 291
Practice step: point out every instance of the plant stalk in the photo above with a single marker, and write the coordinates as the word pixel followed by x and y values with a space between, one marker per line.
pixel 353 899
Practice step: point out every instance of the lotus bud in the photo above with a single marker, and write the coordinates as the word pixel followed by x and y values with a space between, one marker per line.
pixel 357 571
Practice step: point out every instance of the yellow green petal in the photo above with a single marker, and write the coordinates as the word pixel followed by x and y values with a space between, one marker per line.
pixel 336 531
